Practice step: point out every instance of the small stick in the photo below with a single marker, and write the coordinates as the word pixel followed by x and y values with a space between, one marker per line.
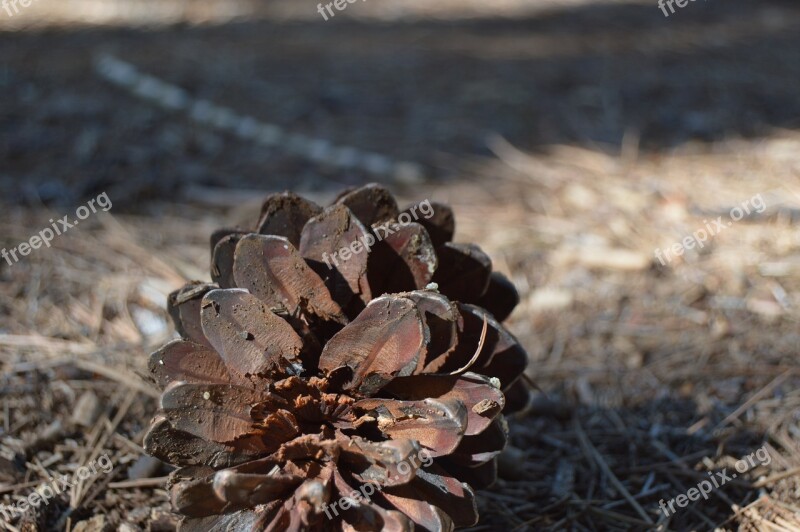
pixel 156 482
pixel 776 477
pixel 477 351
pixel 754 398
pixel 598 458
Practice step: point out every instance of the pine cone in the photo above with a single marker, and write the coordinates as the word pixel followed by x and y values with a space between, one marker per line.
pixel 299 398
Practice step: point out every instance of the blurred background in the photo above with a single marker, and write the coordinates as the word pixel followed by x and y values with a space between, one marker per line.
pixel 574 138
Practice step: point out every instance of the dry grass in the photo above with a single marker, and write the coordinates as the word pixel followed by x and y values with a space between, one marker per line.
pixel 651 374
pixel 669 371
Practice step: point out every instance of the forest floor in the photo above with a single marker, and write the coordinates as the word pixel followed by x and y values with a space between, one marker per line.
pixel 601 154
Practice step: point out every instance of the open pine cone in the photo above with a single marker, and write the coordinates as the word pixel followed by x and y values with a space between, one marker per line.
pixel 316 389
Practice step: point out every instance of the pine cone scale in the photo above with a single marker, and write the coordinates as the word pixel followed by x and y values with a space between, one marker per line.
pixel 271 269
pixel 386 340
pixel 250 338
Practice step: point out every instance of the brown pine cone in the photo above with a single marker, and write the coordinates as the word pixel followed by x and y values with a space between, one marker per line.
pixel 301 399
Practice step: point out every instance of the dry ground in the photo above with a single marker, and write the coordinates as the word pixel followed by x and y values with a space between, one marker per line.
pixel 572 139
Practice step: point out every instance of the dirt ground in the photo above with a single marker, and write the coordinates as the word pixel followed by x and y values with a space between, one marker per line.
pixel 577 141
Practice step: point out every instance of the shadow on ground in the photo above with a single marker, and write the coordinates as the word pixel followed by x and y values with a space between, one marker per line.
pixel 609 468
pixel 600 75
